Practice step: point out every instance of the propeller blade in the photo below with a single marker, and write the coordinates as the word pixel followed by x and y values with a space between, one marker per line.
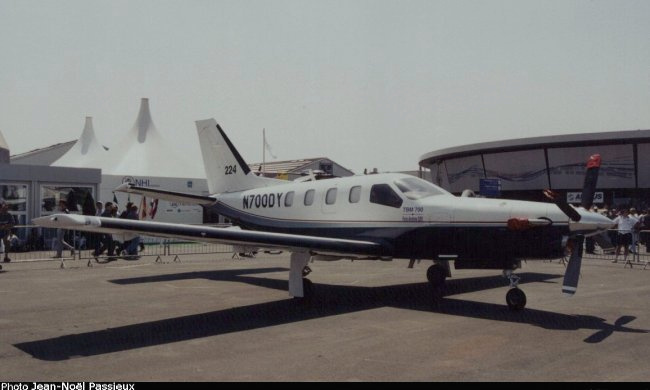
pixel 591 179
pixel 588 190
pixel 570 284
pixel 603 242
pixel 563 205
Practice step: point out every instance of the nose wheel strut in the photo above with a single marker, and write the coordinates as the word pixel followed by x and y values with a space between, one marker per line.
pixel 515 298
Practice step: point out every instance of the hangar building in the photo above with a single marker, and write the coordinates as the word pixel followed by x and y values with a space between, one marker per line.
pixel 34 190
pixel 524 167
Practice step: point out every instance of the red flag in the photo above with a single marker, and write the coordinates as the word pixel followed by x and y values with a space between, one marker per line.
pixel 154 208
pixel 143 207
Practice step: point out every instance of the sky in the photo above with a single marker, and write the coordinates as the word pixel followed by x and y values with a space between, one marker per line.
pixel 369 84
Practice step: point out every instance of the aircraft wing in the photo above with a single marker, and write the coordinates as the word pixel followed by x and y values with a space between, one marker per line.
pixel 262 240
pixel 171 196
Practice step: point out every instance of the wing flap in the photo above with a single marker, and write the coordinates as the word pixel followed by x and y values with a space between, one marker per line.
pixel 263 240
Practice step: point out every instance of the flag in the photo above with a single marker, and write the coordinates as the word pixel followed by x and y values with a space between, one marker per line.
pixel 115 199
pixel 267 147
pixel 154 208
pixel 143 208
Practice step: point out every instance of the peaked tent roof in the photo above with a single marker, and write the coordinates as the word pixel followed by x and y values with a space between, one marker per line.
pixel 4 151
pixel 3 143
pixel 86 150
pixel 144 152
pixel 43 156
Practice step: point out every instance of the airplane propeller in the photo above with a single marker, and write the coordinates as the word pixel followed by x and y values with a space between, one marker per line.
pixel 572 274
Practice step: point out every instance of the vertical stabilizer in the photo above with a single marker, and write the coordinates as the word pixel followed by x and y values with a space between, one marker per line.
pixel 225 168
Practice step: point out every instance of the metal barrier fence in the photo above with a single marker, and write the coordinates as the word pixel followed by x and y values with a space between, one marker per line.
pixel 82 247
pixel 638 254
pixel 83 243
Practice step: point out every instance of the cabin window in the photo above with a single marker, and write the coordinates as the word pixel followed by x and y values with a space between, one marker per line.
pixel 309 197
pixel 330 197
pixel 288 199
pixel 355 194
pixel 384 195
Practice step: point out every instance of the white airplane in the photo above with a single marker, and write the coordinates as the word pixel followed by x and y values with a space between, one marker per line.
pixel 374 217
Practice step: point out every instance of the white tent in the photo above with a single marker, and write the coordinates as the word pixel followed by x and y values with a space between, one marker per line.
pixel 4 150
pixel 3 143
pixel 144 152
pixel 85 151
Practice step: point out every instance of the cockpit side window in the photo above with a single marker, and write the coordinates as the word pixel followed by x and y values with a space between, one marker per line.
pixel 415 188
pixel 384 195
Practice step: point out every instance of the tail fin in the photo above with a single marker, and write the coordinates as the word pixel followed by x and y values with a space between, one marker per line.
pixel 225 168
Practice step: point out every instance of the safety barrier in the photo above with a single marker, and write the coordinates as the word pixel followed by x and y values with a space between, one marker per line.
pixel 82 247
pixel 639 254
pixel 83 244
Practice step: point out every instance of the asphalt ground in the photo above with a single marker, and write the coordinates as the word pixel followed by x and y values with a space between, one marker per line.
pixel 212 318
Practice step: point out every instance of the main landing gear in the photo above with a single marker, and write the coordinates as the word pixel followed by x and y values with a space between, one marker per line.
pixel 436 275
pixel 307 287
pixel 515 298
pixel 301 288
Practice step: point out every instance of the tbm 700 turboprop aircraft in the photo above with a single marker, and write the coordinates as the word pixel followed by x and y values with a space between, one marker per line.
pixel 374 217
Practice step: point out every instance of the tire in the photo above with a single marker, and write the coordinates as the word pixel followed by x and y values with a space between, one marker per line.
pixel 516 299
pixel 436 275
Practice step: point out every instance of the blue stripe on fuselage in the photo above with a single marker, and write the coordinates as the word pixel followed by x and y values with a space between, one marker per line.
pixel 420 240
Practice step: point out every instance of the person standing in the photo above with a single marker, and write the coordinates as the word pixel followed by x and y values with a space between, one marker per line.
pixel 106 240
pixel 643 227
pixel 99 208
pixel 7 221
pixel 60 234
pixel 131 247
pixel 624 224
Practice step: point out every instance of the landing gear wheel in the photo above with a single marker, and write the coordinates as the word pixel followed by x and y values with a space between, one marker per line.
pixel 436 275
pixel 516 299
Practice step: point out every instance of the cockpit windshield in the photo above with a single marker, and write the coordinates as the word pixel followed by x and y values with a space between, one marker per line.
pixel 415 188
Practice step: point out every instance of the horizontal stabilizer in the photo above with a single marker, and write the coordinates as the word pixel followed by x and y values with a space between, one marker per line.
pixel 170 196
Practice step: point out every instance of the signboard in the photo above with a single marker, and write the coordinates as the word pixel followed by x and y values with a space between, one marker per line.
pixel 490 187
pixel 576 197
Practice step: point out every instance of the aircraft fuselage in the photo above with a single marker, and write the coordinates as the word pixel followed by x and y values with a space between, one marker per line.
pixel 427 223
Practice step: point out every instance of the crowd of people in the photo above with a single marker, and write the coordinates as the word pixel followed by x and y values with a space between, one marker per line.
pixel 108 243
pixel 115 246
pixel 631 228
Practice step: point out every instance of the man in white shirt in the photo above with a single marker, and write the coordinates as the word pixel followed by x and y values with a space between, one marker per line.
pixel 624 224
pixel 99 209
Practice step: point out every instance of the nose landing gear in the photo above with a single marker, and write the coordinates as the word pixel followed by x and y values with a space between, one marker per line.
pixel 515 298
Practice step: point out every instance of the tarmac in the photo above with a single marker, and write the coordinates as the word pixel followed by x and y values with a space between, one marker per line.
pixel 213 318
